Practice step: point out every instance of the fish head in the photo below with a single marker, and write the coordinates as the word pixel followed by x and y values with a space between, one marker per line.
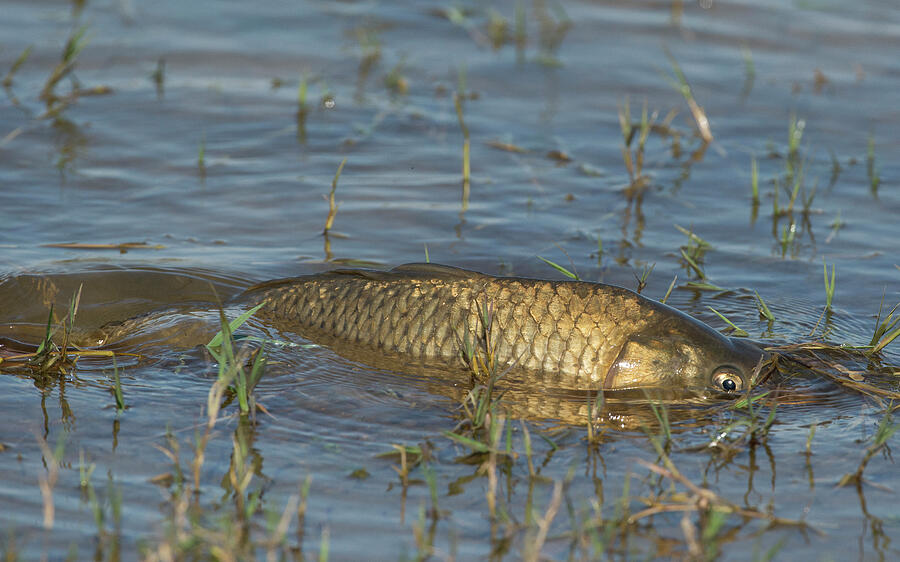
pixel 686 361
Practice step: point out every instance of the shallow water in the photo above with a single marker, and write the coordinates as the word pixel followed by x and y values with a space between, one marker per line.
pixel 123 167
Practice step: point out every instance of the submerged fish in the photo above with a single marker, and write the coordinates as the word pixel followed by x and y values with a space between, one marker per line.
pixel 565 334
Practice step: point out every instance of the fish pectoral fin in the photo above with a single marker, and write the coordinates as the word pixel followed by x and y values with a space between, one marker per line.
pixel 610 378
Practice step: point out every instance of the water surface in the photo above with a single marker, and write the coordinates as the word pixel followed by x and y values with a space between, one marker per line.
pixel 380 80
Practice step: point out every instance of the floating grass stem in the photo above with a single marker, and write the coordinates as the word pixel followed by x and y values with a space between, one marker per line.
pixel 332 205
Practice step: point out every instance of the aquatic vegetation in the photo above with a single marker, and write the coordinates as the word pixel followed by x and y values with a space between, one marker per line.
pixel 693 252
pixel 201 154
pixel 332 205
pixel 829 285
pixel 477 467
pixel 466 149
pixel 669 290
pixel 73 47
pixel 886 330
pixel 395 81
pixel 231 369
pixel 159 77
pixel 764 311
pixel 738 332
pixel 641 279
pixel 754 180
pixel 885 430
pixel 871 168
pixel 56 355
pixel 561 269
pixel 680 83
pixel 19 62
pixel 634 163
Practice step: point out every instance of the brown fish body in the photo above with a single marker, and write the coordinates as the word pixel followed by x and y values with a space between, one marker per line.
pixel 567 334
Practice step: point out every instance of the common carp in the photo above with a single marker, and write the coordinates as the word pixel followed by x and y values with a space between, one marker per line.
pixel 564 334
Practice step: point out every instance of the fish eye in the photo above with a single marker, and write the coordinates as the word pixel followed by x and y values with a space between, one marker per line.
pixel 728 379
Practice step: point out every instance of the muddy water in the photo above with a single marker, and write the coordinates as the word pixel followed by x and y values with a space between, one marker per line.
pixel 380 77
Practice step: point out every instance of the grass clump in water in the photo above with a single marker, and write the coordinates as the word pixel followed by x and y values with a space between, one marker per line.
pixel 231 362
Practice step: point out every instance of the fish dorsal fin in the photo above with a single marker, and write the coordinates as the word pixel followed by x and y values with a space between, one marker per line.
pixel 275 283
pixel 435 270
pixel 426 270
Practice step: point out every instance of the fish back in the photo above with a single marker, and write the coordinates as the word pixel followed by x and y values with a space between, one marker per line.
pixel 567 333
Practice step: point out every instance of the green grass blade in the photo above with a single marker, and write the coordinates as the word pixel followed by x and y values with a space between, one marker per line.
pixel 476 446
pixel 737 331
pixel 560 268
pixel 763 309
pixel 216 341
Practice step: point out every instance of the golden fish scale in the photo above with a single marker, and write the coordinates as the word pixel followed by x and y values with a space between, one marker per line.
pixel 568 332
